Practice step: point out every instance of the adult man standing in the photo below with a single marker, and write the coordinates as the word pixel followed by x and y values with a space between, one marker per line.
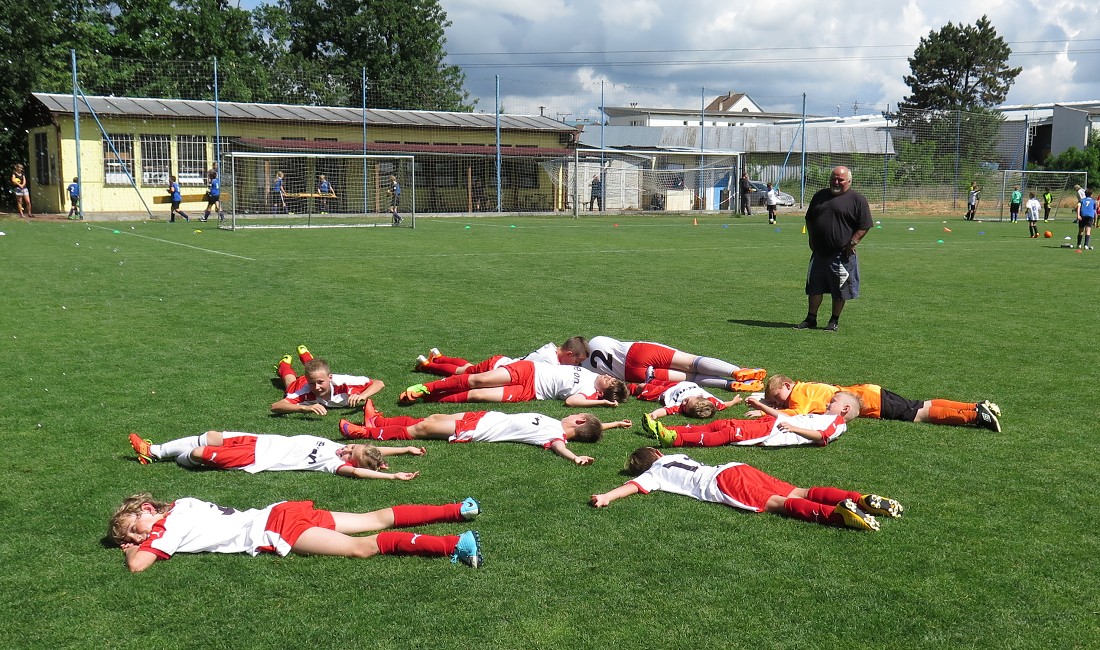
pixel 836 220
pixel 746 194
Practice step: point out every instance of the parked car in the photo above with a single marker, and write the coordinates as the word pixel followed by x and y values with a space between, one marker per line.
pixel 760 189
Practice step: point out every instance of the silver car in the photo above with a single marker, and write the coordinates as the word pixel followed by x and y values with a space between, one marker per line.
pixel 760 189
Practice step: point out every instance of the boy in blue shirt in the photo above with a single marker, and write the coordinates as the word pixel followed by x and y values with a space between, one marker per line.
pixel 74 197
pixel 1086 217
pixel 174 190
pixel 214 197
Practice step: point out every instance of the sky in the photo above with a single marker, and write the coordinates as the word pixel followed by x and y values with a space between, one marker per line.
pixel 563 57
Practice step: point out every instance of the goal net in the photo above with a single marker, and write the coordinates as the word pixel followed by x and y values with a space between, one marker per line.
pixel 1061 185
pixel 314 190
pixel 627 180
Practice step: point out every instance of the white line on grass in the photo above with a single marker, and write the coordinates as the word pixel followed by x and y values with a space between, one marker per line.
pixel 176 243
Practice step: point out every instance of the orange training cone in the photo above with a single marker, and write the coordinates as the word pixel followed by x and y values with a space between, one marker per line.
pixel 695 222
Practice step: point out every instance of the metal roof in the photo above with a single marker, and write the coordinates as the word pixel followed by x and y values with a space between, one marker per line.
pixel 200 109
pixel 746 139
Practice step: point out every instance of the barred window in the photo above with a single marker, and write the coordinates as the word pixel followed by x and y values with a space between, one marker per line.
pixel 156 160
pixel 118 169
pixel 191 153
pixel 42 158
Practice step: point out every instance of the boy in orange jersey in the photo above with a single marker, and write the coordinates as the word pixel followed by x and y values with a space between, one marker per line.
pixel 797 397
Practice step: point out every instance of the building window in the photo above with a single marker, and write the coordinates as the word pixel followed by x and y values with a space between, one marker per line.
pixel 41 159
pixel 191 154
pixel 117 169
pixel 156 160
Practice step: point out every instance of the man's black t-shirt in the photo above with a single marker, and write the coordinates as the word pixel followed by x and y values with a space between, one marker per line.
pixel 831 220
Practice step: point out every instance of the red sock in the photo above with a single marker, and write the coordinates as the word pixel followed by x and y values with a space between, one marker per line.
pixel 395 432
pixel 715 434
pixel 806 510
pixel 945 411
pixel 452 398
pixel 450 384
pixel 402 543
pixel 399 421
pixel 406 515
pixel 437 367
pixel 305 357
pixel 831 496
pixel 286 369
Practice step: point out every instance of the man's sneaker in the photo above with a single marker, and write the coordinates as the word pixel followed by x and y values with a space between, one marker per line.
pixel 413 393
pixel 853 517
pixel 141 447
pixel 993 408
pixel 287 359
pixel 468 550
pixel 986 418
pixel 745 374
pixel 806 325
pixel 470 508
pixel 665 436
pixel 880 506
pixel 832 326
pixel 352 430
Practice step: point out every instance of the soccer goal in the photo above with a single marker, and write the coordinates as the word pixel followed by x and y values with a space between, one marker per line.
pixel 315 190
pixel 1061 186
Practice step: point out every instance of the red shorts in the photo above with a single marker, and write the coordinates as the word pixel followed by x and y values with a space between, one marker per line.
pixel 641 356
pixel 297 384
pixel 233 453
pixel 468 422
pixel 751 487
pixel 521 387
pixel 484 366
pixel 290 519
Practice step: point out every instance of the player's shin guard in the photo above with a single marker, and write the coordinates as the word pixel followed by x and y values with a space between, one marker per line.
pixel 395 432
pixel 944 411
pixel 449 385
pixel 703 435
pixel 830 495
pixel 402 543
pixel 396 421
pixel 807 510
pixel 405 516
pixel 712 366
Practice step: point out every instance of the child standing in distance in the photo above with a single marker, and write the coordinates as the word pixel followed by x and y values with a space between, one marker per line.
pixel 744 487
pixel 21 191
pixel 774 429
pixel 74 198
pixel 572 352
pixel 148 530
pixel 771 198
pixel 174 191
pixel 279 201
pixel 1031 213
pixel 797 397
pixel 213 196
pixel 324 188
pixel 1086 217
pixel 259 452
pixel 972 201
pixel 1048 201
pixel 1015 200
pixel 395 199
pixel 318 390
pixel 489 426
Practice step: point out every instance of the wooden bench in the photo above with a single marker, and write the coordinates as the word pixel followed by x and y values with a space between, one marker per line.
pixel 187 198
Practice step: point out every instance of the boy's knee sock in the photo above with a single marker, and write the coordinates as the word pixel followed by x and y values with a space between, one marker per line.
pixel 453 398
pixel 305 356
pixel 402 543
pixel 830 496
pixel 174 448
pixel 807 510
pixel 450 384
pixel 712 366
pixel 286 369
pixel 395 432
pixel 185 460
pixel 397 420
pixel 438 367
pixel 1088 239
pixel 703 436
pixel 943 411
pixel 405 516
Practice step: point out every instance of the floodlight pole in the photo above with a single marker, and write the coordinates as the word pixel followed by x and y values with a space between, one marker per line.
pixel 76 135
pixel 497 117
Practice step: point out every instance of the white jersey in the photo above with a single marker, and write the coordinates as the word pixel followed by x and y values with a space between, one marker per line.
pixel 343 387
pixel 772 196
pixel 1032 206
pixel 276 453
pixel 559 382
pixel 830 426
pixel 546 354
pixel 679 474
pixel 608 356
pixel 194 526
pixel 528 428
pixel 675 395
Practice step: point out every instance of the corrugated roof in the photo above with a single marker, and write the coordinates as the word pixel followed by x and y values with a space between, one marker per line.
pixel 197 109
pixel 744 139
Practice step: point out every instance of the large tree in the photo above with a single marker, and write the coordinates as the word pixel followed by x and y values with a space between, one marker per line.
pixel 960 67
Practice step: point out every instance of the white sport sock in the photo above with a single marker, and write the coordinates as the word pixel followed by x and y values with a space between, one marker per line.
pixel 177 447
pixel 712 366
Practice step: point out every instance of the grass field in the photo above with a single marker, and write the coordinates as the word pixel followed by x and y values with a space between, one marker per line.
pixel 159 329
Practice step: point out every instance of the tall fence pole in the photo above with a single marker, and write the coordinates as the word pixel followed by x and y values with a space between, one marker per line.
pixel 500 205
pixel 76 134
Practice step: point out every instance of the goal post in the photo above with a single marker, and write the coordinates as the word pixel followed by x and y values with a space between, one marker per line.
pixel 1060 184
pixel 315 190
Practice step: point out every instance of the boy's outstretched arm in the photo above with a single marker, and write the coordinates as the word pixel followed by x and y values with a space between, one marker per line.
pixel 285 406
pixel 605 499
pixel 763 407
pixel 362 472
pixel 582 401
pixel 559 448
pixel 358 399
pixel 617 424
pixel 397 451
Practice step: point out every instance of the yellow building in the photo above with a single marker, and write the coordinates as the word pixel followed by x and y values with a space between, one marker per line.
pixel 130 147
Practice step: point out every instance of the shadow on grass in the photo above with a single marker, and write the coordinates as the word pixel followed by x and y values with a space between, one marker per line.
pixel 760 323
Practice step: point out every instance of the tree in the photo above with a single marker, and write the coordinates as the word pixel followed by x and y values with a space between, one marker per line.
pixel 960 67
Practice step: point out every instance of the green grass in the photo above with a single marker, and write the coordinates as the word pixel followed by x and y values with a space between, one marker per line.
pixel 167 332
